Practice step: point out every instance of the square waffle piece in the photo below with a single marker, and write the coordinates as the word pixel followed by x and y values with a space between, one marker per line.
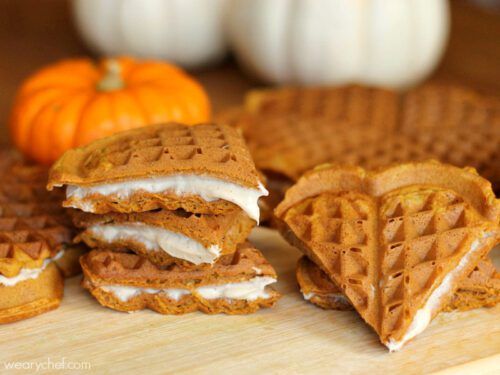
pixel 397 241
pixel 204 169
pixel 26 205
pixel 167 236
pixel 30 282
pixel 480 289
pixel 236 284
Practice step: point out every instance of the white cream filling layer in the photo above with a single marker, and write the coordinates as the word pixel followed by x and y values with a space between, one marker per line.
pixel 154 239
pixel 246 290
pixel 208 188
pixel 424 315
pixel 28 273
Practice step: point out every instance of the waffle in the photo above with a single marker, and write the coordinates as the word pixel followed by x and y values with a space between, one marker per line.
pixel 32 296
pixel 31 217
pixel 30 284
pixel 461 147
pixel 69 260
pixel 216 234
pixel 128 282
pixel 206 151
pixel 480 289
pixel 290 131
pixel 391 238
pixel 317 288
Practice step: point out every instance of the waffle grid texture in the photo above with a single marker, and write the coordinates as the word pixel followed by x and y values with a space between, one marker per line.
pixel 33 225
pixel 480 289
pixel 389 242
pixel 292 130
pixel 159 150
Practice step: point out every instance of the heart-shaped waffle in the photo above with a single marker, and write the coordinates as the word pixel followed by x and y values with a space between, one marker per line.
pixel 397 241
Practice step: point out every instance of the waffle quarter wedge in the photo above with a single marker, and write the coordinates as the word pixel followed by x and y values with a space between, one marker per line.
pixel 236 284
pixel 202 169
pixel 167 236
pixel 397 241
pixel 30 283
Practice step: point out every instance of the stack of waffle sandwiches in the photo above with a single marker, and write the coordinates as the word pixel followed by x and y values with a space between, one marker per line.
pixel 167 210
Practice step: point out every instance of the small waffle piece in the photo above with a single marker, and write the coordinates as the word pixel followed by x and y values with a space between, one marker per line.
pixel 480 289
pixel 31 296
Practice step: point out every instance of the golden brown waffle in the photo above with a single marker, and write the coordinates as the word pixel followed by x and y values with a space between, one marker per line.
pixel 461 147
pixel 346 106
pixel 480 289
pixel 428 106
pixel 104 269
pixel 69 261
pixel 33 224
pixel 389 238
pixel 33 229
pixel 32 296
pixel 291 130
pixel 317 288
pixel 226 231
pixel 160 150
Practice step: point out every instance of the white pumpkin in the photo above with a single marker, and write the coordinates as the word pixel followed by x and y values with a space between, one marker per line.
pixel 392 43
pixel 187 32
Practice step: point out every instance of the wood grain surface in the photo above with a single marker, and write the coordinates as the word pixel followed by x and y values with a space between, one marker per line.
pixel 293 337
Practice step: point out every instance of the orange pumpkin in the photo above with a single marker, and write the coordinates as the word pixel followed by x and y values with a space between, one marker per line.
pixel 74 102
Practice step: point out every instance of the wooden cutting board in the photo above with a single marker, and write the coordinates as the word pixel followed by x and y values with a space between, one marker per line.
pixel 293 337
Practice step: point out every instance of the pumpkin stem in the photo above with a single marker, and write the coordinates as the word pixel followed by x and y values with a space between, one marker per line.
pixel 112 79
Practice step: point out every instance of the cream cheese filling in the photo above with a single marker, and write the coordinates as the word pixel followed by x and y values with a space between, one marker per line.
pixel 208 188
pixel 424 315
pixel 246 290
pixel 158 239
pixel 29 273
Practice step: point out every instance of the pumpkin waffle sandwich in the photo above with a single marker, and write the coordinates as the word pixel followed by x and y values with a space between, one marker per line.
pixel 397 241
pixel 236 284
pixel 26 205
pixel 30 282
pixel 480 289
pixel 167 236
pixel 204 169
